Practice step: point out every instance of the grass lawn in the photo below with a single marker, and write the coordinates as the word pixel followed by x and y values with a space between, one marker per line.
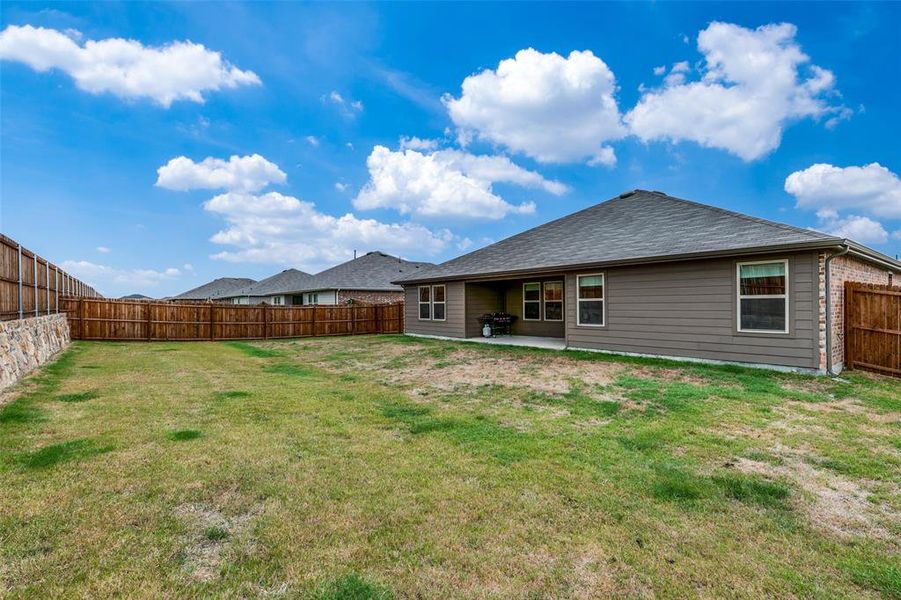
pixel 384 466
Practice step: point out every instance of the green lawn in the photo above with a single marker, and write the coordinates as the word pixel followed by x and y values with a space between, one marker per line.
pixel 384 466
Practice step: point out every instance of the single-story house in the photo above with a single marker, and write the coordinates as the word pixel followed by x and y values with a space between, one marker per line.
pixel 368 279
pixel 280 289
pixel 214 290
pixel 648 274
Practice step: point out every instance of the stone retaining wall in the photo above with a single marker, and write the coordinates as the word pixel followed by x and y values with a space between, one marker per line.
pixel 26 344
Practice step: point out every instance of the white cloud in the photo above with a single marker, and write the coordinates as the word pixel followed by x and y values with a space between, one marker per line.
pixel 750 90
pixel 349 108
pixel 242 173
pixel 277 229
pixel 872 189
pixel 341 187
pixel 446 183
pixel 126 68
pixel 551 108
pixel 415 143
pixel 660 70
pixel 106 276
pixel 103 249
pixel 313 140
pixel 188 267
pixel 860 229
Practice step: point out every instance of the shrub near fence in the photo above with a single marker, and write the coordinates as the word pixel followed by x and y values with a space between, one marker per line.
pixel 102 319
pixel 31 286
pixel 873 328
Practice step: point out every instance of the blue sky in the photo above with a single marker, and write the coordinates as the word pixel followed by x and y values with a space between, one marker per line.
pixel 426 130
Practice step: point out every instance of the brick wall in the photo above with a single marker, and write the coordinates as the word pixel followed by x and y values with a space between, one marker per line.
pixel 843 269
pixel 370 297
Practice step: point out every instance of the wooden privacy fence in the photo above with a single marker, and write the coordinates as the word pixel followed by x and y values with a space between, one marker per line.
pixel 31 286
pixel 102 319
pixel 873 328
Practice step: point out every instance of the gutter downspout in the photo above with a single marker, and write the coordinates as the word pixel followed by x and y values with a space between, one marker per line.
pixel 845 249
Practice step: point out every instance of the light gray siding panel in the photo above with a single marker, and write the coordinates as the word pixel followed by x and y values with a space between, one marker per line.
pixel 689 309
pixel 455 311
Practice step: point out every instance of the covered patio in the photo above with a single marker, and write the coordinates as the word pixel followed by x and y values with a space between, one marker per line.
pixel 530 341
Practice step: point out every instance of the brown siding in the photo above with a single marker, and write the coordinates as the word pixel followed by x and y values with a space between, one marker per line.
pixel 688 309
pixel 455 311
pixel 541 328
pixel 480 299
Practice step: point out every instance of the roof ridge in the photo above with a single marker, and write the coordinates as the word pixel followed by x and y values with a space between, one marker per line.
pixel 744 216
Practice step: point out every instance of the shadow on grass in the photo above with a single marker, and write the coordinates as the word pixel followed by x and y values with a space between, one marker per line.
pixel 78 397
pixel 231 394
pixel 55 454
pixel 351 587
pixel 254 351
pixel 183 435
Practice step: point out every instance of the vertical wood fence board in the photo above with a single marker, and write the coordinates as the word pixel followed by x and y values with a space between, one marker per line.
pixel 873 328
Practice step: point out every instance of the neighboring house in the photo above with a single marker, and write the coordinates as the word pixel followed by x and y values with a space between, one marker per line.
pixel 367 279
pixel 136 297
pixel 649 274
pixel 279 290
pixel 214 290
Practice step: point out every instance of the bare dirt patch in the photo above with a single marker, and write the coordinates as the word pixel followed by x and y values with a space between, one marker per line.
pixel 837 505
pixel 210 534
pixel 465 367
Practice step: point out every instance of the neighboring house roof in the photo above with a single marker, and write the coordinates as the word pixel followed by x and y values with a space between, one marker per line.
pixel 135 297
pixel 638 226
pixel 372 272
pixel 215 289
pixel 289 280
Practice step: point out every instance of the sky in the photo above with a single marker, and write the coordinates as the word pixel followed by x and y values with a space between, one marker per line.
pixel 151 147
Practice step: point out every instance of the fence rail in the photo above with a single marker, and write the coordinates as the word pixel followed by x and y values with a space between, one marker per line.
pixel 873 328
pixel 103 319
pixel 31 286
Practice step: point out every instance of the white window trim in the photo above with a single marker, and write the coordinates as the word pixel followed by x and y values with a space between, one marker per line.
pixel 562 300
pixel 603 300
pixel 540 311
pixel 443 302
pixel 740 297
pixel 419 302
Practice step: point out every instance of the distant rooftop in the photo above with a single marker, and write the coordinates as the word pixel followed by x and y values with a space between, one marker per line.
pixel 215 289
pixel 286 282
pixel 374 272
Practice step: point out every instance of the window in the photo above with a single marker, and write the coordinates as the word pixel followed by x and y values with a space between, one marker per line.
pixel 277 300
pixel 590 300
pixel 313 298
pixel 425 303
pixel 763 296
pixel 531 301
pixel 553 300
pixel 438 303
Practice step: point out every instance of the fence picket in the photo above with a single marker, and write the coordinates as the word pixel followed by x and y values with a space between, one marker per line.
pixel 873 328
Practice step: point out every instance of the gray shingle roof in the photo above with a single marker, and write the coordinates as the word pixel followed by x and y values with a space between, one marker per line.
pixel 286 282
pixel 217 288
pixel 374 272
pixel 637 225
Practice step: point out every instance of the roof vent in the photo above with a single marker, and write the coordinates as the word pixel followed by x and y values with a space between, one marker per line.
pixel 627 194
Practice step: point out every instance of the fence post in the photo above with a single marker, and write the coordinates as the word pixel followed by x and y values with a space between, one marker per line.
pixel 313 323
pixel 353 319
pixel 212 322
pixel 47 284
pixel 81 318
pixel 147 310
pixel 265 321
pixel 56 286
pixel 21 297
pixel 37 305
